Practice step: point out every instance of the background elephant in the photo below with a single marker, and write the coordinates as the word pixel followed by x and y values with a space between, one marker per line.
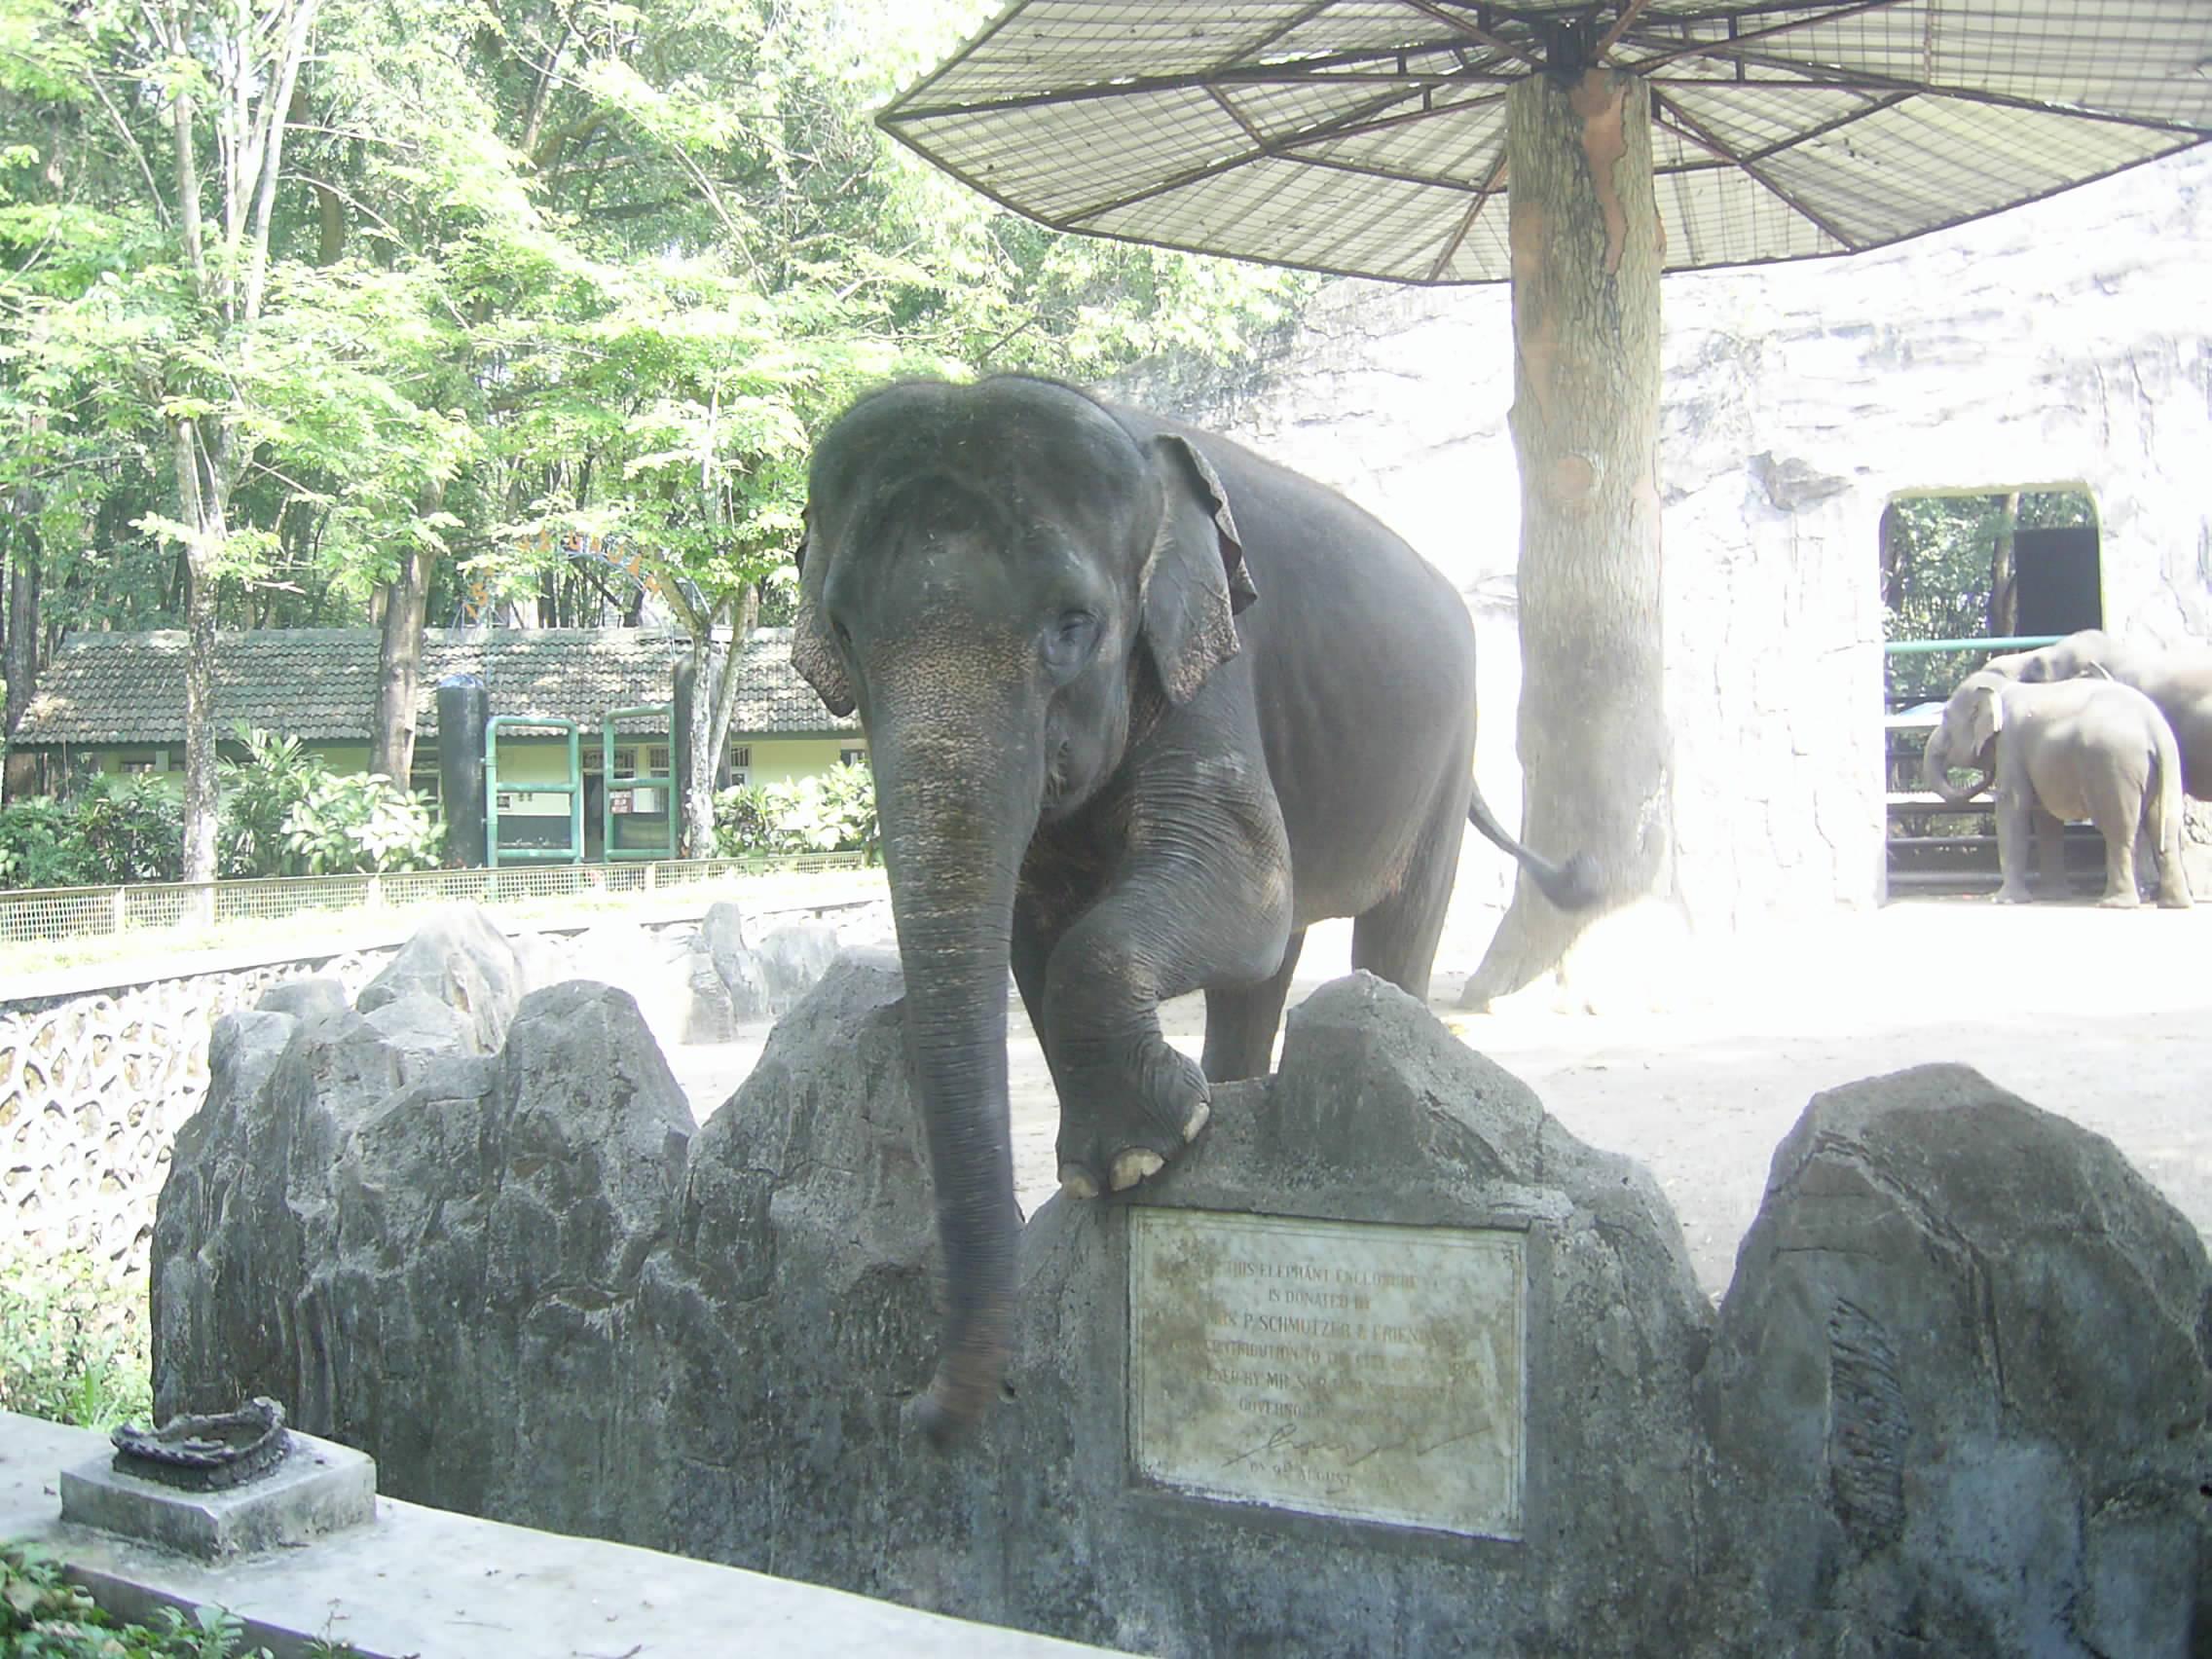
pixel 1140 708
pixel 2179 682
pixel 2079 748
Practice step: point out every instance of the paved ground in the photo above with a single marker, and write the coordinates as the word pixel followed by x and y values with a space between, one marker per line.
pixel 2105 1017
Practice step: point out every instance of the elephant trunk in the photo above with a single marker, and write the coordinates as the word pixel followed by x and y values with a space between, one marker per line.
pixel 957 812
pixel 1936 772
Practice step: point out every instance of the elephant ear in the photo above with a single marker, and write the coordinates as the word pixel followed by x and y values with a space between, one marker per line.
pixel 1196 581
pixel 813 652
pixel 1986 717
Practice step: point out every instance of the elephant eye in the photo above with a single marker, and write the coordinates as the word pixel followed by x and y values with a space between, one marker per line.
pixel 843 633
pixel 1069 642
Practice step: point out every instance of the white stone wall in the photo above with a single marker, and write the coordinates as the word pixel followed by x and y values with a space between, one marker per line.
pixel 2067 343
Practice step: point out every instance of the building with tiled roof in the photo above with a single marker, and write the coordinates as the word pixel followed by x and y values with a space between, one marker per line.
pixel 115 701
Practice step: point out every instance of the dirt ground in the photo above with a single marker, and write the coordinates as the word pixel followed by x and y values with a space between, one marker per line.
pixel 2105 1017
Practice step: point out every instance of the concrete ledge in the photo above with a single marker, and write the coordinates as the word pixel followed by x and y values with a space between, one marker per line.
pixel 425 1582
pixel 319 1487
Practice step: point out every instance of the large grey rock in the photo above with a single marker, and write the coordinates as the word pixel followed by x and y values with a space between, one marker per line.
pixel 792 960
pixel 1958 1391
pixel 1956 1402
pixel 431 1254
pixel 458 957
pixel 725 978
pixel 542 961
pixel 2197 849
pixel 730 984
pixel 307 997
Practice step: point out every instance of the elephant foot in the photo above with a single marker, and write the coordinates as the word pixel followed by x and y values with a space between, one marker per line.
pixel 2124 900
pixel 2012 895
pixel 2176 899
pixel 1159 1112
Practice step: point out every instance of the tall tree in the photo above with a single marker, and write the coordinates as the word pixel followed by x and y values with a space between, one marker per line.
pixel 1594 752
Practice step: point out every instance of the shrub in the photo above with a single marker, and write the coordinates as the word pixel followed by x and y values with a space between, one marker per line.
pixel 39 845
pixel 348 822
pixel 259 793
pixel 117 829
pixel 831 812
pixel 742 825
pixel 44 1616
pixel 131 830
pixel 73 1345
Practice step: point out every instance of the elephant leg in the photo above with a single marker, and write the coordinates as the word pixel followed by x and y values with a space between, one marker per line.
pixel 2049 832
pixel 2119 827
pixel 1129 1101
pixel 1241 1024
pixel 1029 951
pixel 1396 940
pixel 2012 809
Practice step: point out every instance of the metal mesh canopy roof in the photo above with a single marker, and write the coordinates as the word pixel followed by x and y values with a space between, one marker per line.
pixel 1368 136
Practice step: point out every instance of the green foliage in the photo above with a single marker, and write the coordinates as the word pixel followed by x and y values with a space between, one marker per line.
pixel 258 796
pixel 73 1345
pixel 743 829
pixel 39 845
pixel 1942 560
pixel 114 831
pixel 44 1616
pixel 358 821
pixel 830 812
pixel 133 829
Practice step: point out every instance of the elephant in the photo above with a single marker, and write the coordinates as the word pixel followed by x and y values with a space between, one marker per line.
pixel 2078 749
pixel 1141 706
pixel 2179 682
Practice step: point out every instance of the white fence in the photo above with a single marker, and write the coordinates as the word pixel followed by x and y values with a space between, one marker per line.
pixel 32 915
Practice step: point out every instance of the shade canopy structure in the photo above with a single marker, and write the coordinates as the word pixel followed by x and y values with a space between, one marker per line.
pixel 1368 138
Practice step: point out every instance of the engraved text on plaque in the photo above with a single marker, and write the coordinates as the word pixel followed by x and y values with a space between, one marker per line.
pixel 1344 1367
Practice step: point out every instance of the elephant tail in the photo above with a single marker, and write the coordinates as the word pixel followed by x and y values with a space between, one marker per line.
pixel 2167 826
pixel 1571 886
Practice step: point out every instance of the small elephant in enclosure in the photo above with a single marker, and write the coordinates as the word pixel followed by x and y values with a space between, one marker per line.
pixel 2088 748
pixel 2178 680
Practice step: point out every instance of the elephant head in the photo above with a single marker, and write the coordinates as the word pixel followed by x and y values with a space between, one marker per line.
pixel 1972 721
pixel 2084 652
pixel 1006 583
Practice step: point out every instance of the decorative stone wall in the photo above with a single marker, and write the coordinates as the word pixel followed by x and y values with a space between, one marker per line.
pixel 2063 345
pixel 93 1090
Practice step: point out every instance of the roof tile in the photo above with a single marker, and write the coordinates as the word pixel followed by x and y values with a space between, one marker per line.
pixel 321 684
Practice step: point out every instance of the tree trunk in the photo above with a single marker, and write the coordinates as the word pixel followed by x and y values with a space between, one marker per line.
pixel 406 605
pixel 200 496
pixel 697 777
pixel 725 684
pixel 400 665
pixel 1594 752
pixel 19 664
pixel 2004 571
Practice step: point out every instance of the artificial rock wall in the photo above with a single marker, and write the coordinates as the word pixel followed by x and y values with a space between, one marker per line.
pixel 2064 345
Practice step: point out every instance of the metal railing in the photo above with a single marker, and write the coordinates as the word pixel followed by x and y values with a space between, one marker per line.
pixel 32 914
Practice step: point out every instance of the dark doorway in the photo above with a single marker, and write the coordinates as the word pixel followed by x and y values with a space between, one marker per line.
pixel 2058 583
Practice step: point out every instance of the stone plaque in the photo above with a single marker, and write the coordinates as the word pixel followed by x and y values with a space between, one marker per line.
pixel 1343 1368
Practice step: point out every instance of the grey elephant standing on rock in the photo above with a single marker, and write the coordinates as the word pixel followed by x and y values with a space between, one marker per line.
pixel 2178 680
pixel 1140 707
pixel 2090 749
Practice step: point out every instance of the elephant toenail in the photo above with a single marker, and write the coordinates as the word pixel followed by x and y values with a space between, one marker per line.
pixel 1076 1182
pixel 1199 1116
pixel 1134 1165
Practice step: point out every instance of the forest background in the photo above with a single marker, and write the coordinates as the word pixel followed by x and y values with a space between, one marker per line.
pixel 315 311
